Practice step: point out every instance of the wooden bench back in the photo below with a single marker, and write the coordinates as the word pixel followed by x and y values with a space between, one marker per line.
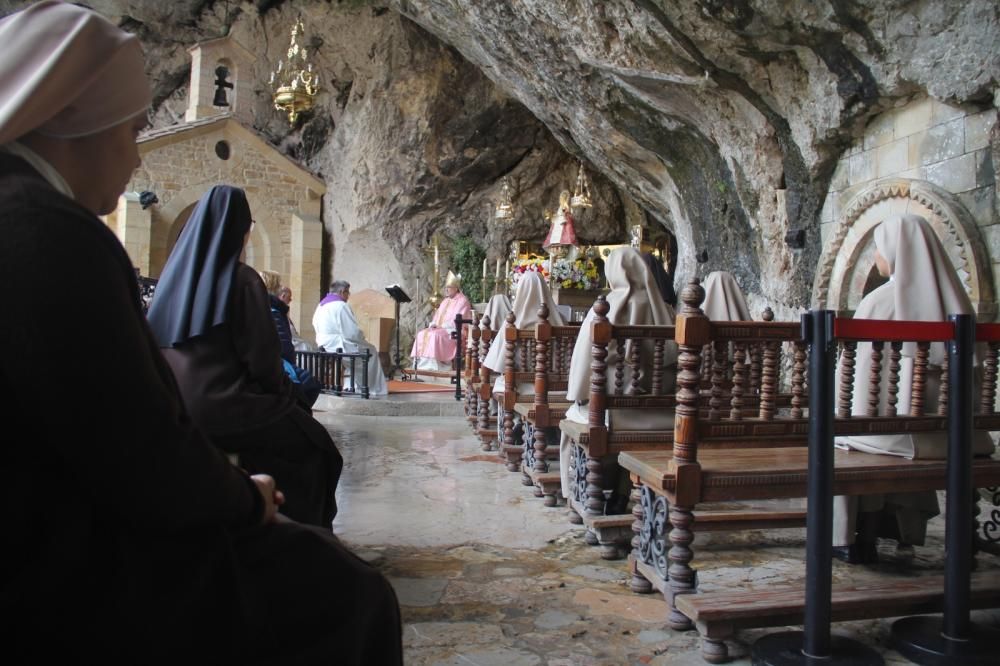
pixel 539 355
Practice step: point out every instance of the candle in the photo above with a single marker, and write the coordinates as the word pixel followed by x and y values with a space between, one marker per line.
pixel 507 272
pixel 435 255
pixel 498 269
pixel 484 268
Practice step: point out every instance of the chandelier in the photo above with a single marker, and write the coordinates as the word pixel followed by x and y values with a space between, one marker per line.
pixel 581 195
pixel 293 83
pixel 505 209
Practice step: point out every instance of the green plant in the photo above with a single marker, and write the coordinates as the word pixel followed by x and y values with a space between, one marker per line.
pixel 467 260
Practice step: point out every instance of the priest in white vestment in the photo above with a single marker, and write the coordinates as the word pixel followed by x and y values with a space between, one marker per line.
pixel 337 328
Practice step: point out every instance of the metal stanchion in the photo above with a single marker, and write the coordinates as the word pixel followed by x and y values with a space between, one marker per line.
pixel 815 645
pixel 459 350
pixel 953 639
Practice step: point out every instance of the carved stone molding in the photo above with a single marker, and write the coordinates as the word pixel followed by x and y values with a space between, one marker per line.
pixel 848 256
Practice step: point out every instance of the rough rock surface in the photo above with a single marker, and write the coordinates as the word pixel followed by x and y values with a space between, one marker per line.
pixel 721 119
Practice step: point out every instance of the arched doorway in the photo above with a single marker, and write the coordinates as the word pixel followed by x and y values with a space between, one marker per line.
pixel 844 274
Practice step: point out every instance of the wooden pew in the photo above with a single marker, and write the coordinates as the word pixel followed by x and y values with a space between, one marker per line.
pixel 670 485
pixel 471 371
pixel 743 379
pixel 485 425
pixel 540 418
pixel 521 358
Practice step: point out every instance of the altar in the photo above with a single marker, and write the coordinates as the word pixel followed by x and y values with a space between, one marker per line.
pixel 578 300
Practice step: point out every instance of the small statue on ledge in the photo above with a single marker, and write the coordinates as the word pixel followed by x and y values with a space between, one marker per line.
pixel 562 233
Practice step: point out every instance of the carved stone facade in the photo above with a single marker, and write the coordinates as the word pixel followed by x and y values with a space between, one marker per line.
pixel 926 158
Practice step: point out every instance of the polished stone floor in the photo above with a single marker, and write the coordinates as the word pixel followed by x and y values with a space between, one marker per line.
pixel 488 576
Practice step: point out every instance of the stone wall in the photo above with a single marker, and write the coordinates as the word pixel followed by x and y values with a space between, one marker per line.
pixel 925 157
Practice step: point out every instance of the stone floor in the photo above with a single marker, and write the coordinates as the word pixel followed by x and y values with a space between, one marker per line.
pixel 488 576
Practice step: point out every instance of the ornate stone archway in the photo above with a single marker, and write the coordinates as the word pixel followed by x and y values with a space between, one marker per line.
pixel 848 256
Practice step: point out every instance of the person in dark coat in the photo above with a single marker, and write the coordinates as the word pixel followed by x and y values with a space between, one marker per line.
pixel 211 316
pixel 279 313
pixel 664 281
pixel 128 537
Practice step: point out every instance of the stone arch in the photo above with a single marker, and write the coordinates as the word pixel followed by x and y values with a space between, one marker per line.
pixel 174 215
pixel 848 255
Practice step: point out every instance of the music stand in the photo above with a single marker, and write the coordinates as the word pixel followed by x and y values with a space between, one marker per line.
pixel 398 296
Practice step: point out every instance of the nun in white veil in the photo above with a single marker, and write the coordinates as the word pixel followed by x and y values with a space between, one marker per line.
pixel 634 299
pixel 922 286
pixel 724 299
pixel 532 292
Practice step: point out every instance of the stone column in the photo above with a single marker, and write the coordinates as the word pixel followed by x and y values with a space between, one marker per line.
pixel 132 226
pixel 304 271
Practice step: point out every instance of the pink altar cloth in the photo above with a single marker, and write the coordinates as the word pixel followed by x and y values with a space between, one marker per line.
pixel 436 342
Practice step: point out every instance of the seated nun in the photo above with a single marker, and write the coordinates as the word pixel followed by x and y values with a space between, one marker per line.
pixel 433 347
pixel 922 286
pixel 337 329
pixel 663 279
pixel 226 356
pixel 724 299
pixel 635 300
pixel 532 292
pixel 497 309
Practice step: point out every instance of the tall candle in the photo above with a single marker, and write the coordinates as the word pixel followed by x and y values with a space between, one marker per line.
pixel 435 255
pixel 507 272
pixel 484 267
pixel 498 270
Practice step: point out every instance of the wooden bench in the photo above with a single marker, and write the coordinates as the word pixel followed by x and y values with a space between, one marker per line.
pixel 542 362
pixel 671 484
pixel 719 615
pixel 743 379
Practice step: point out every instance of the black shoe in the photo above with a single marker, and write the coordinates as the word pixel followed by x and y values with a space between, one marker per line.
pixel 857 553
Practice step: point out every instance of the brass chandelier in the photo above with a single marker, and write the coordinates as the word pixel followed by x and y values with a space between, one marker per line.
pixel 581 194
pixel 294 84
pixel 505 208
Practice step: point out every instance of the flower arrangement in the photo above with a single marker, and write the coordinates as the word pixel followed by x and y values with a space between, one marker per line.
pixel 580 273
pixel 534 264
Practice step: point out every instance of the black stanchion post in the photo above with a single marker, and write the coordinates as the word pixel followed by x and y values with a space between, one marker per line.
pixel 459 355
pixel 954 639
pixel 364 377
pixel 815 645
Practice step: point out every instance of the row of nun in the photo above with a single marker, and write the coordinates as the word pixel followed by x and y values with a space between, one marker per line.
pixel 922 286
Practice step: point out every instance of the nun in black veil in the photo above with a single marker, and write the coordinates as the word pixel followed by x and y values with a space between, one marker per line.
pixel 211 316
pixel 664 281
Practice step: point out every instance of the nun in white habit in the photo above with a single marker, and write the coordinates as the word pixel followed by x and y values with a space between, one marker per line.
pixel 634 299
pixel 532 292
pixel 724 299
pixel 922 286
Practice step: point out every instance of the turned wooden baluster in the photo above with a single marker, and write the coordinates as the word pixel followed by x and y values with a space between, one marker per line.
pixel 798 379
pixel 719 355
pixel 919 379
pixel 658 346
pixel 510 339
pixel 691 333
pixel 739 380
pixel 485 389
pixel 706 368
pixel 525 364
pixel 543 333
pixel 472 367
pixel 633 364
pixel 601 334
pixel 769 380
pixel 943 391
pixel 988 395
pixel 619 365
pixel 895 353
pixel 846 379
pixel 875 379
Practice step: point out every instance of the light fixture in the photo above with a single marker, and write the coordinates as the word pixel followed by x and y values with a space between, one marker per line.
pixel 294 84
pixel 581 195
pixel 505 208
